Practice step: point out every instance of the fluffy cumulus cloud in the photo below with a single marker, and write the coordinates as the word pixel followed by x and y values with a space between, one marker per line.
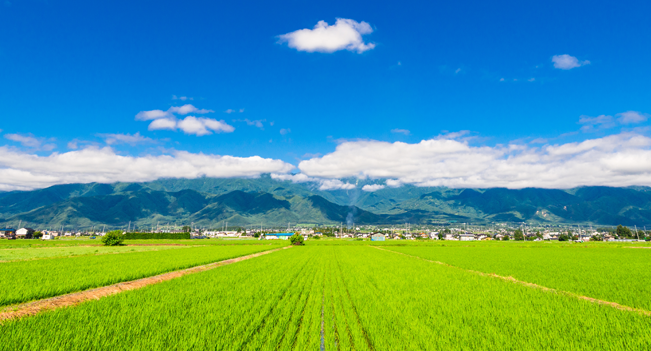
pixel 203 126
pixel 373 187
pixel 568 62
pixel 345 34
pixel 323 184
pixel 23 171
pixel 617 160
pixel 168 120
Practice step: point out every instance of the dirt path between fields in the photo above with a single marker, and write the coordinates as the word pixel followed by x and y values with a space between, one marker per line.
pixel 532 285
pixel 34 307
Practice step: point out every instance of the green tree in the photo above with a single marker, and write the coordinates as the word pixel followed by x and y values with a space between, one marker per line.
pixel 187 228
pixel 506 237
pixel 563 237
pixel 113 238
pixel 538 235
pixel 37 235
pixel 623 232
pixel 296 239
pixel 518 235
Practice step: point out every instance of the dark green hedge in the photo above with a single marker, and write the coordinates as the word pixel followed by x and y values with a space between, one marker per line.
pixel 135 236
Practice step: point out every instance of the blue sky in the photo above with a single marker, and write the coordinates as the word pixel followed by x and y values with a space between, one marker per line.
pixel 75 75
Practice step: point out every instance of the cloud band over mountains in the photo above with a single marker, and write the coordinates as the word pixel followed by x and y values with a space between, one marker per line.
pixel 622 159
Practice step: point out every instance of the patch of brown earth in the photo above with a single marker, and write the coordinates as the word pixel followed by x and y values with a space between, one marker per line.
pixel 535 286
pixel 34 307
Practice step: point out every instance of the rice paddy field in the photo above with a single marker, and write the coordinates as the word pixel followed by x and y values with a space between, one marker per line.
pixel 338 295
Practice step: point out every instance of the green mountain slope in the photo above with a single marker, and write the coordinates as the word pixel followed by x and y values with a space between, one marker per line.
pixel 212 202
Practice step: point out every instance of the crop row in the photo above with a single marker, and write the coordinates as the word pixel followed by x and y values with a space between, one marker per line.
pixel 22 281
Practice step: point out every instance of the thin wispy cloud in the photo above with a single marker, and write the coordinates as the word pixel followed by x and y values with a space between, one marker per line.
pixel 258 122
pixel 114 139
pixel 30 141
pixel 591 124
pixel 322 184
pixel 567 62
pixel 400 131
pixel 345 34
pixel 285 131
pixel 182 98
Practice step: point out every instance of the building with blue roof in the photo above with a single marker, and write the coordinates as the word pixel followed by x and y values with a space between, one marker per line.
pixel 275 236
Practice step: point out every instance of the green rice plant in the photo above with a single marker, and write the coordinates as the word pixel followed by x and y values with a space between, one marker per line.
pixel 613 274
pixel 30 280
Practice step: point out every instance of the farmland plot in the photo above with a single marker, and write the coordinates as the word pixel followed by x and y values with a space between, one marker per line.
pixel 342 298
pixel 620 275
pixel 36 279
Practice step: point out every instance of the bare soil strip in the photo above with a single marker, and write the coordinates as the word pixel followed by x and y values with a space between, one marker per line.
pixel 535 286
pixel 34 307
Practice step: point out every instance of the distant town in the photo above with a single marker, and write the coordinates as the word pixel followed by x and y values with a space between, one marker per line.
pixel 451 232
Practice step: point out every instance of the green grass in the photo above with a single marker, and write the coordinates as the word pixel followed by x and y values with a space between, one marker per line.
pixel 365 298
pixel 22 281
pixel 69 251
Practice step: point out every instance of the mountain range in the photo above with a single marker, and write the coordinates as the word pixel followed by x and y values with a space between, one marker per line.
pixel 212 202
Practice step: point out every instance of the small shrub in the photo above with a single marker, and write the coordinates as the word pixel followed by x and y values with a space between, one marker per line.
pixel 296 239
pixel 113 238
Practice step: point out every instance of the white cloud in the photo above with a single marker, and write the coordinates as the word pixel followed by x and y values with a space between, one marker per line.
pixel 153 114
pixel 285 131
pixel 393 183
pixel 632 117
pixel 372 187
pixel 258 123
pixel 593 123
pixel 182 98
pixel 190 125
pixel 23 171
pixel 400 131
pixel 73 145
pixel 163 123
pixel 617 160
pixel 134 139
pixel 203 126
pixel 28 140
pixel 180 110
pixel 345 34
pixel 568 62
pixel 188 108
pixel 324 184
